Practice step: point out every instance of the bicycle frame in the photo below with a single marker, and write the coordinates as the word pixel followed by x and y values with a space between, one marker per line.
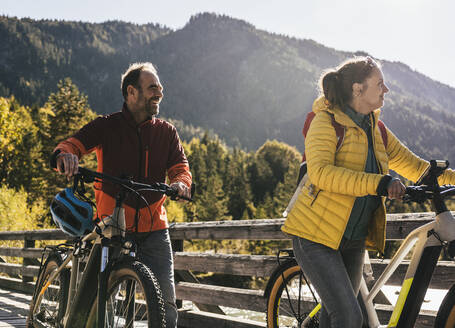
pixel 94 263
pixel 417 279
pixel 418 275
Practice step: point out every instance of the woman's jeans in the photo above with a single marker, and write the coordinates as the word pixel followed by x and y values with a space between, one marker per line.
pixel 336 277
pixel 155 251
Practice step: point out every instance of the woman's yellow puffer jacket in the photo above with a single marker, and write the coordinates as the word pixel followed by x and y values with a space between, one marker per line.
pixel 337 177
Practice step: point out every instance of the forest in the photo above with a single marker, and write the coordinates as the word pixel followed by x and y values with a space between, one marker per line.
pixel 232 184
pixel 237 95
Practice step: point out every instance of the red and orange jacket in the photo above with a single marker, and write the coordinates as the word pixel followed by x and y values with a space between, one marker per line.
pixel 144 152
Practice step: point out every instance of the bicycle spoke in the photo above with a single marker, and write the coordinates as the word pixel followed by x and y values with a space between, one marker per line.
pixel 125 306
pixel 296 301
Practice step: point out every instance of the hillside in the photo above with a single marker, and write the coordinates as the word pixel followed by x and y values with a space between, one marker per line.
pixel 219 73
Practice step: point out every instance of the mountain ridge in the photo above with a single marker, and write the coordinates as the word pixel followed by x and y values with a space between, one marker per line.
pixel 221 73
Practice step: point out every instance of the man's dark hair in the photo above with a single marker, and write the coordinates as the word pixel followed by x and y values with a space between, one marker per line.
pixel 131 76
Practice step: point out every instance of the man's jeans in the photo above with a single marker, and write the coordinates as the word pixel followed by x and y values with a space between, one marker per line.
pixel 336 276
pixel 156 252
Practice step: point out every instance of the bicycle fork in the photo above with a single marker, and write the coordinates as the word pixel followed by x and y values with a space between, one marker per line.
pixel 102 283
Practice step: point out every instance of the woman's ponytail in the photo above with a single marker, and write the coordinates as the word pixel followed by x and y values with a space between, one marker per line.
pixel 331 87
pixel 336 84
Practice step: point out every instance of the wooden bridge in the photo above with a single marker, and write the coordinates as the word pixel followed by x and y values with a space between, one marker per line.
pixel 16 281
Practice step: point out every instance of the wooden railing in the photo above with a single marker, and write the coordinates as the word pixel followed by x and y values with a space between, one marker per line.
pixel 208 298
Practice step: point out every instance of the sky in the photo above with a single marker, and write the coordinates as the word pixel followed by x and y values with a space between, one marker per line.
pixel 419 33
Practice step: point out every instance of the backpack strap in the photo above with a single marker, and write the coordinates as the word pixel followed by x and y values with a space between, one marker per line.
pixel 339 130
pixel 383 130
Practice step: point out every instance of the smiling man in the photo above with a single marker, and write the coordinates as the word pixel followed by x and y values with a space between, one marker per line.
pixel 134 143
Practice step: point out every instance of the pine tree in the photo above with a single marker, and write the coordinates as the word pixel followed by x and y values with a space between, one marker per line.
pixel 66 111
pixel 70 110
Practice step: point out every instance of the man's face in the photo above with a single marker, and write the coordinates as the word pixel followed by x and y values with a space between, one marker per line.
pixel 150 93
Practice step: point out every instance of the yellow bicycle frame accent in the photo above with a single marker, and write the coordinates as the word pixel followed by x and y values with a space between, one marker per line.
pixel 400 302
pixel 315 310
pixel 45 287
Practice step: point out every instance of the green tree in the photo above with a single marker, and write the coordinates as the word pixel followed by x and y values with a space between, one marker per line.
pixel 272 162
pixel 20 148
pixel 70 110
pixel 65 112
pixel 237 186
pixel 207 162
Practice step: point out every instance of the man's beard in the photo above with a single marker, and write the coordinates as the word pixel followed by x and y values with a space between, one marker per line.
pixel 151 109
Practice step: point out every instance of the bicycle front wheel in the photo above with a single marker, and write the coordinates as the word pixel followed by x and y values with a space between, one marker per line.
pixel 133 298
pixel 48 304
pixel 290 303
pixel 446 314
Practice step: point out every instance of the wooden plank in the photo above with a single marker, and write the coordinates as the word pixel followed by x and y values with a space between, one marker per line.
pixel 398 225
pixel 45 234
pixel 443 275
pixel 21 252
pixel 263 266
pixel 241 265
pixel 424 320
pixel 223 296
pixel 192 319
pixel 187 276
pixel 252 300
pixel 17 284
pixel 219 230
pixel 19 269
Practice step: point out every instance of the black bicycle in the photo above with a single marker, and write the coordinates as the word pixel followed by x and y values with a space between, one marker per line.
pixel 115 289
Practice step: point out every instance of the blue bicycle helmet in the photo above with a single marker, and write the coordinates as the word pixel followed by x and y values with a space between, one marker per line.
pixel 72 215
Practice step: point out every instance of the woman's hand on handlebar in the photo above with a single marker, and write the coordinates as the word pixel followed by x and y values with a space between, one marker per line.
pixel 182 190
pixel 396 189
pixel 67 164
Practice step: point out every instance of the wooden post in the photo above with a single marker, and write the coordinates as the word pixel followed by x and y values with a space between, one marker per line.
pixel 28 244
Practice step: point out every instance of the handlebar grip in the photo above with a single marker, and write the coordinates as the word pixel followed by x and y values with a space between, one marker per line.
pixel 173 193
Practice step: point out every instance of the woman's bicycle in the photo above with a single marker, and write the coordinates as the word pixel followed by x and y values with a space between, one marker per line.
pixel 292 302
pixel 115 288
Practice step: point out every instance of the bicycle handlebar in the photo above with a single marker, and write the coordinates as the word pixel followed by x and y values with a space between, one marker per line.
pixel 89 176
pixel 421 193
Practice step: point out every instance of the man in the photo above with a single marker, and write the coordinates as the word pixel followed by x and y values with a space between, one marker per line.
pixel 134 143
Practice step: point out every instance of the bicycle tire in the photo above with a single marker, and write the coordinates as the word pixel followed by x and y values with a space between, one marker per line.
pixel 51 307
pixel 446 313
pixel 283 313
pixel 148 305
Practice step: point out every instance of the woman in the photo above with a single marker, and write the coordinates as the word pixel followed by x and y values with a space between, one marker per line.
pixel 340 210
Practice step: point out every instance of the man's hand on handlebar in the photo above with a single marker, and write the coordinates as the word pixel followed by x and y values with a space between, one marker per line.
pixel 182 190
pixel 67 164
pixel 396 190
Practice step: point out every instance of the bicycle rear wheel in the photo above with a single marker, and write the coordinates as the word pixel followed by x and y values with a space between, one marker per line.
pixel 133 298
pixel 48 310
pixel 446 314
pixel 290 301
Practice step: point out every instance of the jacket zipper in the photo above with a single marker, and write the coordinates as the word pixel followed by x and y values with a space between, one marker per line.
pixel 136 216
pixel 374 145
pixel 314 199
pixel 146 161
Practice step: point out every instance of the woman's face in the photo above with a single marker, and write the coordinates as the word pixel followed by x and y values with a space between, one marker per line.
pixel 371 94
